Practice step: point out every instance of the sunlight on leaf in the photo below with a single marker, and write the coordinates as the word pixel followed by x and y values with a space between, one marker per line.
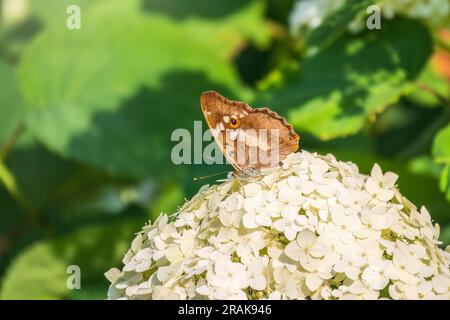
pixel 112 103
pixel 339 89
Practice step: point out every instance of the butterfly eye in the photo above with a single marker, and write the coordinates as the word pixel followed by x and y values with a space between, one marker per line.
pixel 234 121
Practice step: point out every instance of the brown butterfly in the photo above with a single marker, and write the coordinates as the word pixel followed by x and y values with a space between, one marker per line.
pixel 250 139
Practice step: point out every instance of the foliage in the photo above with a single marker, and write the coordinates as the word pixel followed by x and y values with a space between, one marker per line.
pixel 341 87
pixel 441 151
pixel 86 116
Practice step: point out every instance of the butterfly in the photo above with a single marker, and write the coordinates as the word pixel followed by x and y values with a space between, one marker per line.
pixel 249 138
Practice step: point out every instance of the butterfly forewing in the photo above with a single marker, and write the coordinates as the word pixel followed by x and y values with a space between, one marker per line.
pixel 250 139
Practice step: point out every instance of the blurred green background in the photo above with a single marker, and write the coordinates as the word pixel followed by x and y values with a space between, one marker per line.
pixel 86 116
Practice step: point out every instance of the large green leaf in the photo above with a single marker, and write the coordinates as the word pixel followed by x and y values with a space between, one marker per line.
pixel 39 272
pixel 55 11
pixel 336 23
pixel 61 195
pixel 62 192
pixel 114 92
pixel 336 91
pixel 11 104
pixel 224 25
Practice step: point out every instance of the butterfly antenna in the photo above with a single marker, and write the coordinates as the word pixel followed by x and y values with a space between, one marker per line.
pixel 209 176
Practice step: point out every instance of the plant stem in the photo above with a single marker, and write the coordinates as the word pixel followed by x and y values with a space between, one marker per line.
pixel 9 181
pixel 6 147
pixel 441 44
pixel 436 94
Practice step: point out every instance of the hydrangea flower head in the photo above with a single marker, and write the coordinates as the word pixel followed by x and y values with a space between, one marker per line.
pixel 312 228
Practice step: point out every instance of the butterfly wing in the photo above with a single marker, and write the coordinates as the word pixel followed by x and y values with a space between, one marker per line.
pixel 258 138
pixel 215 108
pixel 267 137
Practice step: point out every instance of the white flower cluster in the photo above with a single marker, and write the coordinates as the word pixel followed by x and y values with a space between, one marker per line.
pixel 313 228
pixel 14 11
pixel 309 14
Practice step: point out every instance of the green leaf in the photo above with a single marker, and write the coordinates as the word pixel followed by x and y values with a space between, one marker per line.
pixel 62 191
pixel 12 107
pixel 223 25
pixel 444 182
pixel 39 272
pixel 441 146
pixel 114 92
pixel 170 198
pixel 55 11
pixel 441 154
pixel 336 91
pixel 336 23
pixel 429 85
pixel 424 165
